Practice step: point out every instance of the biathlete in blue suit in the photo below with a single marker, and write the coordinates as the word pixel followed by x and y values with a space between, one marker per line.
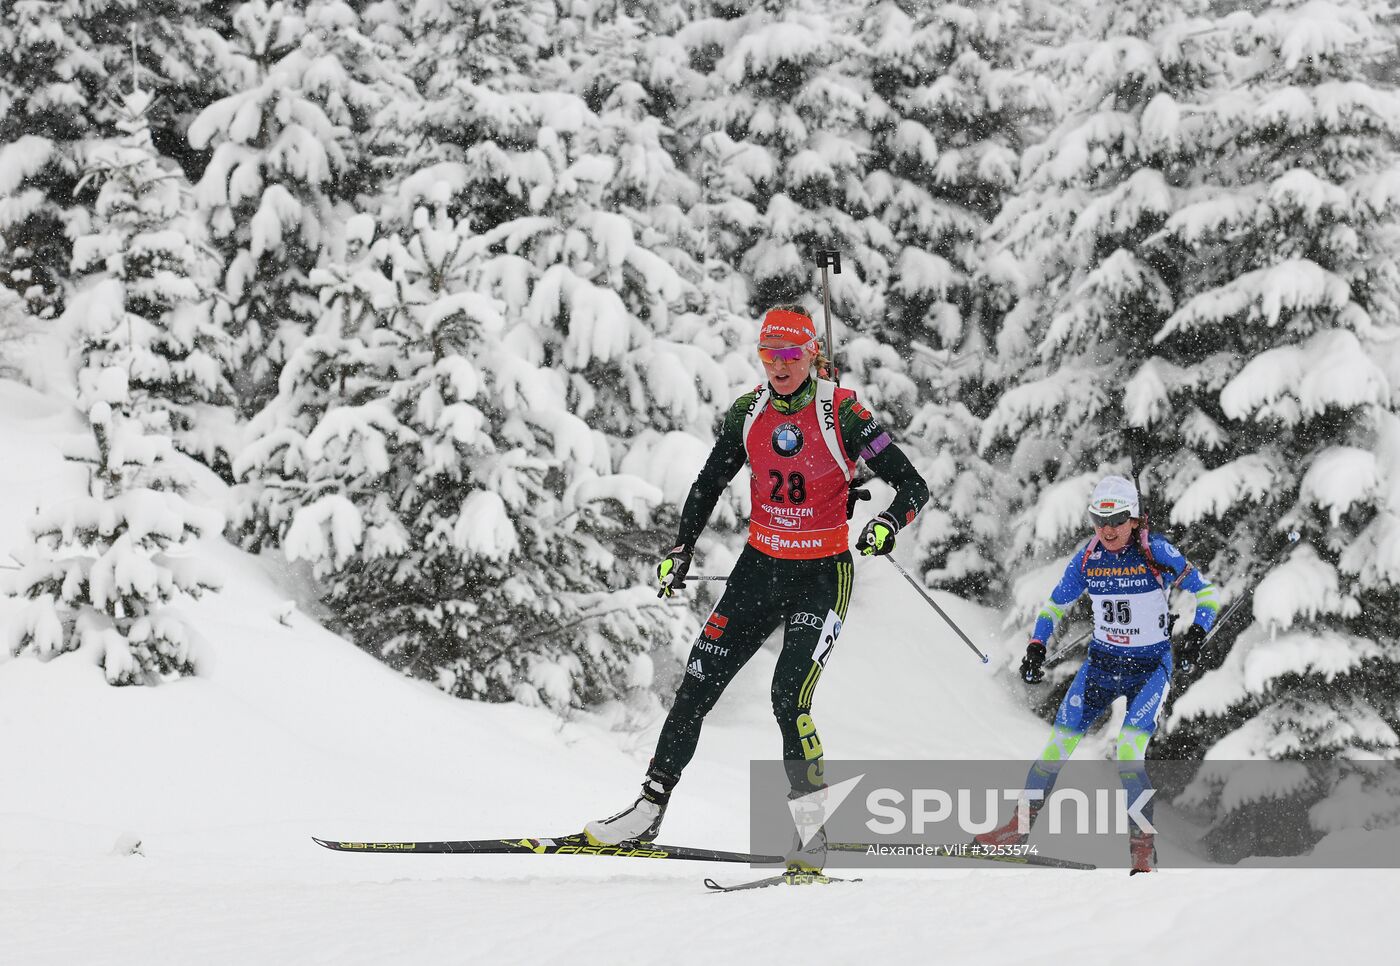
pixel 1127 573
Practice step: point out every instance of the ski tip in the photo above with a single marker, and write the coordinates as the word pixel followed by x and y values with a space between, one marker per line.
pixel 781 879
pixel 332 845
pixel 986 659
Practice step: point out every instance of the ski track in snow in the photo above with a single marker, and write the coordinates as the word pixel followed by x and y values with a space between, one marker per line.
pixel 290 732
pixel 554 917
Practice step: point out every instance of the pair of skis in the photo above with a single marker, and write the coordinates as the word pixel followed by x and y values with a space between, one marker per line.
pixel 563 845
pixel 579 845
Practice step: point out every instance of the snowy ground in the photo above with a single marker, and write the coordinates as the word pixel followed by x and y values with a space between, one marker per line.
pixel 293 732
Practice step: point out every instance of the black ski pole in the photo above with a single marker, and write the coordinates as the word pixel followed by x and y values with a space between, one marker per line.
pixel 1060 652
pixel 934 604
pixel 1229 612
pixel 829 258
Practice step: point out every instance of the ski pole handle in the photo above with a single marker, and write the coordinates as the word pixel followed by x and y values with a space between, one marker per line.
pixel 934 604
pixel 832 259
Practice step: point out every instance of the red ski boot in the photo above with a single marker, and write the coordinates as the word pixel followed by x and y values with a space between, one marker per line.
pixel 1010 833
pixel 1143 851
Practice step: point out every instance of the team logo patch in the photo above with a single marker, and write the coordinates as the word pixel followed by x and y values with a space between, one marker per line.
pixel 787 440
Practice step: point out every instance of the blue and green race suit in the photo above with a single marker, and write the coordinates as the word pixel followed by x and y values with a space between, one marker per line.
pixel 1130 654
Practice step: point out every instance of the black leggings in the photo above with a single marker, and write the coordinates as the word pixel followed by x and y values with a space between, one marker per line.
pixel 809 597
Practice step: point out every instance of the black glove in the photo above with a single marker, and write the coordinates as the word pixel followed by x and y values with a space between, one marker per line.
pixel 671 571
pixel 1033 664
pixel 1188 652
pixel 854 493
pixel 877 539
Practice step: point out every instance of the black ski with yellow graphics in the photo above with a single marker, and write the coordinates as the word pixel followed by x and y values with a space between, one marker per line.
pixel 783 878
pixel 563 845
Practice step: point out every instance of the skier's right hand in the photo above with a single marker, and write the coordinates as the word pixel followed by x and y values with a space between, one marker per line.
pixel 671 571
pixel 1032 665
pixel 854 493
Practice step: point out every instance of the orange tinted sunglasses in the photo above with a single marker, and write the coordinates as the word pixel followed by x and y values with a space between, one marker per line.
pixel 786 353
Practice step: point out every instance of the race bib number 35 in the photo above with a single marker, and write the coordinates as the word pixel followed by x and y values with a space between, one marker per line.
pixel 1130 620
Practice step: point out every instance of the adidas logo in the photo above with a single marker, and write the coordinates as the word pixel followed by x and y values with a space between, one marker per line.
pixel 697 669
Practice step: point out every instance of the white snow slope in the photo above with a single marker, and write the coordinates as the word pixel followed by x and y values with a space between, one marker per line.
pixel 291 731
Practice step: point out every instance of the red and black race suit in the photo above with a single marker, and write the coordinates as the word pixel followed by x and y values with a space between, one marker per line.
pixel 796 571
pixel 799 480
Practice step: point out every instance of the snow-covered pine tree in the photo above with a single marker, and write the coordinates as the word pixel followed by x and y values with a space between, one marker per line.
pixel 433 474
pixel 162 46
pixel 469 64
pixel 51 85
pixel 580 219
pixel 1289 310
pixel 1096 284
pixel 617 257
pixel 681 68
pixel 147 308
pixel 950 109
pixel 62 57
pixel 778 139
pixel 281 170
pixel 103 567
pixel 345 359
pixel 582 210
pixel 354 77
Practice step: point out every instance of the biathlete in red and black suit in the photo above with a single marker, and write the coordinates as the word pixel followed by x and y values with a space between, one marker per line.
pixel 801 436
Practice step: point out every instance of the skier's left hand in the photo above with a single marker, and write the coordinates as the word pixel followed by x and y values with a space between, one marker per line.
pixel 1188 652
pixel 1033 664
pixel 670 573
pixel 877 539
